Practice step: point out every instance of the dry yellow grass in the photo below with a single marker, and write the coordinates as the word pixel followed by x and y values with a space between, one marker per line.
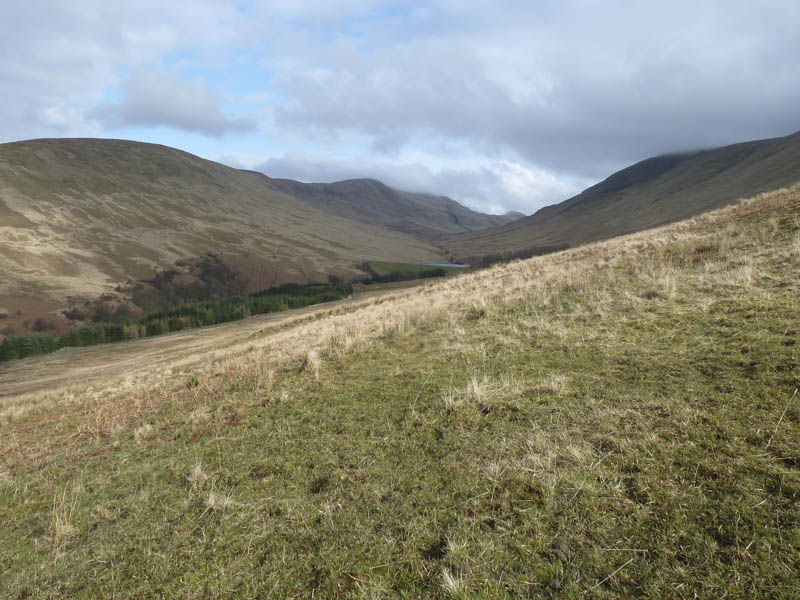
pixel 596 270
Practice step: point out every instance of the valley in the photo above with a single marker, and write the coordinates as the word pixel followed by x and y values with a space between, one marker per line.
pixel 94 227
pixel 145 359
pixel 400 300
pixel 83 219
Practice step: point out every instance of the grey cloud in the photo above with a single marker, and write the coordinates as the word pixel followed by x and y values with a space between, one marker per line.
pixel 153 98
pixel 576 87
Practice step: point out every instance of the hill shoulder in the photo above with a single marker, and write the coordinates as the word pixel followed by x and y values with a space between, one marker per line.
pixel 649 193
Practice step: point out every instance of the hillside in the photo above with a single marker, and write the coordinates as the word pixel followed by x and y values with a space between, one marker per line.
pixel 613 421
pixel 78 217
pixel 652 192
pixel 370 201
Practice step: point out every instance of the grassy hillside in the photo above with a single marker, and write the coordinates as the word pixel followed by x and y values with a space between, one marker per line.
pixel 617 420
pixel 372 202
pixel 80 216
pixel 653 192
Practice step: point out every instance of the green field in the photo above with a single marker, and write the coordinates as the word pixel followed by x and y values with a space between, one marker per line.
pixel 384 268
pixel 613 421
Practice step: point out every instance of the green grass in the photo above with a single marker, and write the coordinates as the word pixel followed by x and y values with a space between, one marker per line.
pixel 598 441
pixel 384 268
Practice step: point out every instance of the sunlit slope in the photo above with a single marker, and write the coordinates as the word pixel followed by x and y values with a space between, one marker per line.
pixel 373 202
pixel 617 420
pixel 652 192
pixel 79 216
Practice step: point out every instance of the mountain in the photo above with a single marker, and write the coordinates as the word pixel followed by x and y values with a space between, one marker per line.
pixel 80 217
pixel 652 192
pixel 373 202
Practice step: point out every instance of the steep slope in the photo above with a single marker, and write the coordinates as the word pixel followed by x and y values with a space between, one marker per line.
pixel 370 201
pixel 80 216
pixel 652 192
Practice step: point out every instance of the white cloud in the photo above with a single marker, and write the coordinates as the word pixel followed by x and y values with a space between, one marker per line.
pixel 62 58
pixel 481 183
pixel 154 98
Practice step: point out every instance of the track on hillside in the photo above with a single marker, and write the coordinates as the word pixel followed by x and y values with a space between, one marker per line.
pixel 83 365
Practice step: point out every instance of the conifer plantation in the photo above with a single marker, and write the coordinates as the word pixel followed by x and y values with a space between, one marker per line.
pixel 188 315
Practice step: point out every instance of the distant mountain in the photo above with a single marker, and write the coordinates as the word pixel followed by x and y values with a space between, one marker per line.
pixel 372 202
pixel 79 217
pixel 652 192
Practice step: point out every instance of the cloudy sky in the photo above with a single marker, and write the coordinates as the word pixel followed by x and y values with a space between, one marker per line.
pixel 508 105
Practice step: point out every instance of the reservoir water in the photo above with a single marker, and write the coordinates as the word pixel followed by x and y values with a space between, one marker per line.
pixel 457 266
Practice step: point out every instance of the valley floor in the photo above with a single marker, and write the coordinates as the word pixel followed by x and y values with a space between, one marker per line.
pixel 618 420
pixel 145 358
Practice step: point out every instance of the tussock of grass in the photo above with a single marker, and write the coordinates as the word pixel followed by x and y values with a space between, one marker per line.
pixel 144 432
pixel 612 421
pixel 62 514
pixel 197 476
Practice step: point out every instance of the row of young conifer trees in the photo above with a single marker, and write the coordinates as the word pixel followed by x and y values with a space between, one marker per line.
pixel 185 316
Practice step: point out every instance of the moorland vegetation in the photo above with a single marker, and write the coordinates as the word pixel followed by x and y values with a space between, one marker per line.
pixel 616 420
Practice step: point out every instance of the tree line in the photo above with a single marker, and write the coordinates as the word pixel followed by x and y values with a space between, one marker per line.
pixel 188 315
pixel 403 275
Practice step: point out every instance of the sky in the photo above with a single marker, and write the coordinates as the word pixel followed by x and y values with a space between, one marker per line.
pixel 503 105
